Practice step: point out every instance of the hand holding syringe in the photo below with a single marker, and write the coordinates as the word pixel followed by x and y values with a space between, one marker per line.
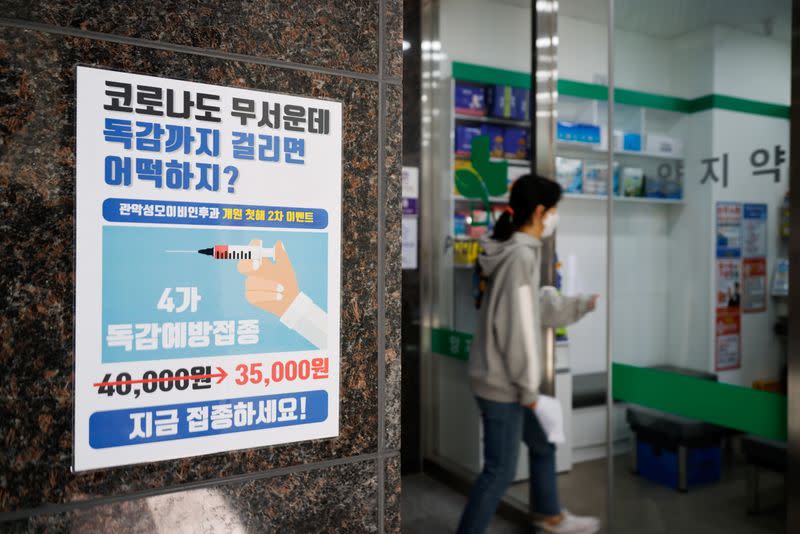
pixel 271 285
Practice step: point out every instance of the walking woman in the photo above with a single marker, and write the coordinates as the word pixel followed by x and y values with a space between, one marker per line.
pixel 506 359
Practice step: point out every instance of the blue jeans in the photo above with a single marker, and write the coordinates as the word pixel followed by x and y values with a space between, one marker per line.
pixel 504 425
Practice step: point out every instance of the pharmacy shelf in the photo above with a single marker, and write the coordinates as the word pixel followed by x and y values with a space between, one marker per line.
pixel 500 200
pixel 484 119
pixel 511 162
pixel 580 196
pixel 596 150
pixel 627 200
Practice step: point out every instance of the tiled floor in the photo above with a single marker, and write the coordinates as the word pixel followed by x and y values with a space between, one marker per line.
pixel 430 507
pixel 640 506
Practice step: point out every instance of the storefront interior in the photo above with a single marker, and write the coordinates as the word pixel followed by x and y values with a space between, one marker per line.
pixel 682 111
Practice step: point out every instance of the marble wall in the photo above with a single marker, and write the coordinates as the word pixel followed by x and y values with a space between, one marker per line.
pixel 349 50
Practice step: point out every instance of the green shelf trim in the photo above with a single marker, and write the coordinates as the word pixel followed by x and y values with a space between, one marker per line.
pixel 593 91
pixel 750 410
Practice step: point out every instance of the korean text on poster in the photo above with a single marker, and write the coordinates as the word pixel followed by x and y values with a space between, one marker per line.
pixel 207 271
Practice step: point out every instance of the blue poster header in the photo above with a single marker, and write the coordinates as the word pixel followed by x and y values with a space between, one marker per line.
pixel 127 210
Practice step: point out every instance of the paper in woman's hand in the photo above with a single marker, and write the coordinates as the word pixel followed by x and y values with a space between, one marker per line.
pixel 548 411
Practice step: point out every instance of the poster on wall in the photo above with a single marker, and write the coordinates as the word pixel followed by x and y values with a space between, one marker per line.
pixel 410 190
pixel 754 285
pixel 409 231
pixel 754 252
pixel 754 230
pixel 729 230
pixel 728 339
pixel 409 245
pixel 208 251
pixel 729 290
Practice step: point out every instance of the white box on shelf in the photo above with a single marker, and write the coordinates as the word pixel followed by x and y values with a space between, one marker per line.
pixel 663 144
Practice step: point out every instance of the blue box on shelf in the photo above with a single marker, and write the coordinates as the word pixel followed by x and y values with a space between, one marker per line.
pixel 703 465
pixel 508 102
pixel 520 105
pixel 653 186
pixel 470 99
pixel 516 143
pixel 464 135
pixel 574 131
pixel 632 142
pixel 672 189
pixel 496 136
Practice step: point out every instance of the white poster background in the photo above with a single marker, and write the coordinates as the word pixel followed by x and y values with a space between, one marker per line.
pixel 409 248
pixel 316 184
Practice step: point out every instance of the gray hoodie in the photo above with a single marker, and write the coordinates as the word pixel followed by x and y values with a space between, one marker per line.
pixel 506 357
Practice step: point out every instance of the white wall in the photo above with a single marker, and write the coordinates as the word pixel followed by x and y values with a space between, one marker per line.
pixel 751 66
pixel 486 33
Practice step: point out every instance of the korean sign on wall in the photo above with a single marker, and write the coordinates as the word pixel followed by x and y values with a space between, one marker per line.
pixel 207 268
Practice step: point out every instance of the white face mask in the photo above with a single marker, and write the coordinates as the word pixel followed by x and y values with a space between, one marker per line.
pixel 549 223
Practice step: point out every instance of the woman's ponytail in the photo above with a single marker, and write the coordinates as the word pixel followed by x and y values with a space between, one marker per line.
pixel 503 227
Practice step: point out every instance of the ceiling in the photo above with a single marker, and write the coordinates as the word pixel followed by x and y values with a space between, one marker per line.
pixel 672 18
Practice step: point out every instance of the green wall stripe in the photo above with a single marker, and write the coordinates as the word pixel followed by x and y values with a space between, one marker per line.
pixel 491 75
pixel 741 408
pixel 742 105
pixel 651 100
pixel 582 90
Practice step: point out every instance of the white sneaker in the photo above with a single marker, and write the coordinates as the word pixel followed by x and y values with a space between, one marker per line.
pixel 571 524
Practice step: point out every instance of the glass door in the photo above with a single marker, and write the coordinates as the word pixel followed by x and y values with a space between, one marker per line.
pixel 480 133
pixel 700 130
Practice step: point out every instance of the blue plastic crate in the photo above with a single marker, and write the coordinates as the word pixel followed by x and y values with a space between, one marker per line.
pixel 704 465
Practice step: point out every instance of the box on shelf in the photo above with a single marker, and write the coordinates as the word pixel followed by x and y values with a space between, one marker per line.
pixel 569 174
pixel 595 178
pixel 470 99
pixel 623 141
pixel 465 251
pixel 496 136
pixel 478 223
pixel 464 135
pixel 653 186
pixel 780 278
pixel 663 144
pixel 632 141
pixel 703 465
pixel 508 102
pixel 671 188
pixel 521 98
pixel 632 182
pixel 574 131
pixel 460 224
pixel 516 143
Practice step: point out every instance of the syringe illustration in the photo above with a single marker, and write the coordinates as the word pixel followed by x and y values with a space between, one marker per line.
pixel 235 252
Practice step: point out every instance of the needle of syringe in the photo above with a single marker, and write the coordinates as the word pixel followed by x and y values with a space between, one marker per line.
pixel 184 251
